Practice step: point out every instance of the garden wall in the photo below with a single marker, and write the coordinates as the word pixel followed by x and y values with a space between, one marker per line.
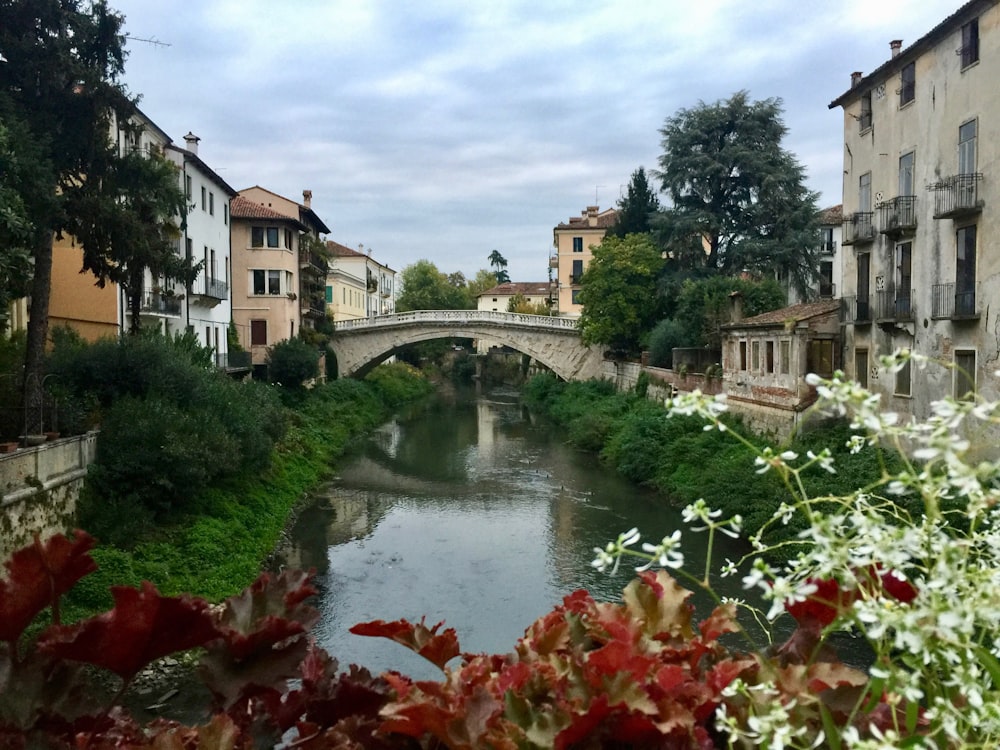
pixel 39 488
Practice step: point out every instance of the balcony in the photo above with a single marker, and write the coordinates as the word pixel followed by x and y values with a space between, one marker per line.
pixel 856 310
pixel 858 228
pixel 957 196
pixel 827 289
pixel 233 361
pixel 160 305
pixel 313 262
pixel 948 302
pixel 892 305
pixel 210 291
pixel 898 216
pixel 575 279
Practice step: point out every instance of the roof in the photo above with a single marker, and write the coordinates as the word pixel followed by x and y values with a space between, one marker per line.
pixel 342 251
pixel 510 288
pixel 605 219
pixel 305 213
pixel 242 208
pixel 190 156
pixel 967 12
pixel 834 215
pixel 798 313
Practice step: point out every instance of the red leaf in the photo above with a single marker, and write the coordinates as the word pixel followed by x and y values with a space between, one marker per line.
pixel 721 621
pixel 898 587
pixel 437 648
pixel 822 606
pixel 37 575
pixel 142 627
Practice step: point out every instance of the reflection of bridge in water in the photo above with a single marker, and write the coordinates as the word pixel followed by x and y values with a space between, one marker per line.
pixel 360 345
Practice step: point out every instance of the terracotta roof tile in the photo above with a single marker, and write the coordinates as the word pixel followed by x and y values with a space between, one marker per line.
pixel 798 313
pixel 241 208
pixel 342 251
pixel 510 288
pixel 832 216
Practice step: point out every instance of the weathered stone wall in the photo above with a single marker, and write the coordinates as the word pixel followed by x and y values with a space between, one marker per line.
pixel 39 488
pixel 662 382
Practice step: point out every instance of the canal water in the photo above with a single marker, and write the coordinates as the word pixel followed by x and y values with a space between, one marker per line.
pixel 472 511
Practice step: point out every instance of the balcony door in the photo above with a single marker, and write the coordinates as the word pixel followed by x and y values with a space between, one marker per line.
pixel 965 270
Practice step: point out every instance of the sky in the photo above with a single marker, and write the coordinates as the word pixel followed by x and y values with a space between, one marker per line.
pixel 445 129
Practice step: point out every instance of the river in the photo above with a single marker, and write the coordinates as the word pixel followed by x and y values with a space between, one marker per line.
pixel 473 511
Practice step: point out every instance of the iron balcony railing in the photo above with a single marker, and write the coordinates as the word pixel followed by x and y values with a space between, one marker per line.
pixel 827 289
pixel 894 304
pixel 828 248
pixel 858 228
pixel 949 301
pixel 156 303
pixel 216 289
pixel 957 195
pixel 576 278
pixel 855 309
pixel 898 215
pixel 233 361
pixel 314 261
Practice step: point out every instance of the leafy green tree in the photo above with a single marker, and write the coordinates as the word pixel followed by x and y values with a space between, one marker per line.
pixel 703 305
pixel 637 208
pixel 733 187
pixel 61 63
pixel 424 287
pixel 520 304
pixel 499 264
pixel 126 224
pixel 292 362
pixel 619 298
pixel 482 281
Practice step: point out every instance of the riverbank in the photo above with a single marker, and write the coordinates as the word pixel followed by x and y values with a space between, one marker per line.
pixel 218 545
pixel 683 461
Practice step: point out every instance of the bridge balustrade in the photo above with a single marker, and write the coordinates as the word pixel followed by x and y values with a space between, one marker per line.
pixel 457 316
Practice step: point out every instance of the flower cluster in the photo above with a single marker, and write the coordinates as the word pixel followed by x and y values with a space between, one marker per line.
pixel 911 563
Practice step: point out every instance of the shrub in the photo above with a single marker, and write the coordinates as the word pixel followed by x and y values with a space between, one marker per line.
pixel 667 335
pixel 398 383
pixel 292 363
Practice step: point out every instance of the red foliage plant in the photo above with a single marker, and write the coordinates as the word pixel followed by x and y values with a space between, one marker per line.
pixel 586 675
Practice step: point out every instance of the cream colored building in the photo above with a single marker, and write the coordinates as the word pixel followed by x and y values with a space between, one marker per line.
pixel 497 298
pixel 357 285
pixel 573 241
pixel 922 210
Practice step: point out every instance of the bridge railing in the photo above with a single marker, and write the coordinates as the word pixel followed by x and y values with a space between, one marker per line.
pixel 457 316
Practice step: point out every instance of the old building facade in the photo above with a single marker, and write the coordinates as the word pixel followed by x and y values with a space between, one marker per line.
pixel 573 241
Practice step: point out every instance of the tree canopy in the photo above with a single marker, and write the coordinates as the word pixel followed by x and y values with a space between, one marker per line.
pixel 732 187
pixel 637 208
pixel 499 264
pixel 424 287
pixel 619 297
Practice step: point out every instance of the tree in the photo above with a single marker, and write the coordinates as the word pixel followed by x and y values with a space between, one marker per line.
pixel 703 305
pixel 61 62
pixel 619 297
pixel 17 165
pixel 482 281
pixel 126 225
pixel 637 208
pixel 520 304
pixel 292 362
pixel 424 287
pixel 499 264
pixel 732 186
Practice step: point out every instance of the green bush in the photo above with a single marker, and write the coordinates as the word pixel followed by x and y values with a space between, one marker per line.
pixel 398 383
pixel 667 335
pixel 292 362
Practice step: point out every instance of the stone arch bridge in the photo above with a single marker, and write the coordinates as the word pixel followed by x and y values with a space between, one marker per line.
pixel 360 345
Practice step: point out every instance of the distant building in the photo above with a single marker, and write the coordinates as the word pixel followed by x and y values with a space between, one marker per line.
pixel 357 285
pixel 922 210
pixel 497 298
pixel 831 263
pixel 573 241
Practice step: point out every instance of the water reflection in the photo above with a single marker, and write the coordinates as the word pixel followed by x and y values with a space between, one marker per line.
pixel 469 512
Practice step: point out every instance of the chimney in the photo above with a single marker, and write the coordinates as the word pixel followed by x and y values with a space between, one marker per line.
pixel 735 307
pixel 192 142
pixel 307 198
pixel 856 77
pixel 592 215
pixel 896 45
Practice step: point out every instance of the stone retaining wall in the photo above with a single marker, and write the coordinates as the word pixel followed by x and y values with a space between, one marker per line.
pixel 39 488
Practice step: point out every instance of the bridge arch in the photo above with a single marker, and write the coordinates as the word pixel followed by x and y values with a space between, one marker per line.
pixel 360 345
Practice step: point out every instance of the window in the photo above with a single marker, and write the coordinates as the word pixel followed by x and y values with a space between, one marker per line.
pixel 576 296
pixel 902 386
pixel 965 374
pixel 578 244
pixel 829 246
pixel 272 236
pixel 865 121
pixel 864 275
pixel 969 51
pixel 288 280
pixel 257 237
pixel 187 186
pixel 754 356
pixel 225 213
pixel 204 202
pixel 785 355
pixel 965 270
pixel 865 192
pixel 967 148
pixel 288 239
pixel 906 174
pixel 826 278
pixel 903 278
pixel 188 247
pixel 743 355
pixel 329 295
pixel 820 357
pixel 211 204
pixel 259 283
pixel 769 356
pixel 908 84
pixel 577 272
pixel 861 367
pixel 258 333
pixel 208 335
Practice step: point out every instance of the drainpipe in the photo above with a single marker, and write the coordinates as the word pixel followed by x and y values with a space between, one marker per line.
pixel 187 253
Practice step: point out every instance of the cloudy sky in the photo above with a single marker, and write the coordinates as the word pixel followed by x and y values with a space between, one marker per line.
pixel 444 129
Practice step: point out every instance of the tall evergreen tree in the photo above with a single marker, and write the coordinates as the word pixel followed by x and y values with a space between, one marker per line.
pixel 734 189
pixel 499 264
pixel 637 208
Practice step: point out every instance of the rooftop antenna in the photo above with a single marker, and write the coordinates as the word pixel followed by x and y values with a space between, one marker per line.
pixel 152 40
pixel 597 201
